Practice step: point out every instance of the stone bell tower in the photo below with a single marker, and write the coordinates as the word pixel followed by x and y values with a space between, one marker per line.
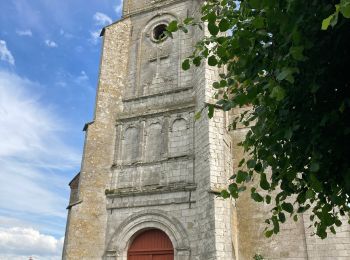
pixel 148 164
pixel 150 172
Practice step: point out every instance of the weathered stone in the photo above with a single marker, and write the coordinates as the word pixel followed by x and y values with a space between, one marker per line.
pixel 148 164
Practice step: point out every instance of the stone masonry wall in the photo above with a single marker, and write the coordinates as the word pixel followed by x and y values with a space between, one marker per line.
pixel 85 238
pixel 148 164
pixel 154 171
pixel 295 240
pixel 180 179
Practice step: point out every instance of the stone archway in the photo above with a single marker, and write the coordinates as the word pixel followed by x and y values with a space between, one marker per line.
pixel 117 248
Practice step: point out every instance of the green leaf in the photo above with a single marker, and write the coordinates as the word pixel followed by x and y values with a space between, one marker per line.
pixel 332 229
pixel 233 188
pixel 224 25
pixel 211 17
pixel 278 93
pixel 188 20
pixel 210 111
pixel 241 162
pixel 213 29
pixel 183 28
pixel 242 188
pixel 223 83
pixel 287 74
pixel 197 61
pixel 224 194
pixel 334 20
pixel 326 22
pixel 186 64
pixel 268 199
pixel 288 207
pixel 258 167
pixel 303 209
pixel 212 61
pixel 173 26
pixel 276 225
pixel 321 231
pixel 251 163
pixel 241 176
pixel 315 183
pixel 309 194
pixel 257 197
pixel 282 217
pixel 331 20
pixel 221 51
pixel 337 222
pixel 268 233
pixel 345 8
pixel 264 184
pixel 216 85
pixel 168 34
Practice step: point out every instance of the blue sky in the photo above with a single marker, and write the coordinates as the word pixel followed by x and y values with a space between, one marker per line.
pixel 49 58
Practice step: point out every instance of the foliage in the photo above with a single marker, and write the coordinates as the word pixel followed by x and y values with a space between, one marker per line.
pixel 258 257
pixel 289 60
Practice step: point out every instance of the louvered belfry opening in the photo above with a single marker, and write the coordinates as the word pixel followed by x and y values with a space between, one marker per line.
pixel 152 244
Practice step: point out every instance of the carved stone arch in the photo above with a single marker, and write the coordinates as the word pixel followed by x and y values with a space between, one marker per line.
pixel 157 19
pixel 154 141
pixel 178 118
pixel 153 122
pixel 118 246
pixel 179 137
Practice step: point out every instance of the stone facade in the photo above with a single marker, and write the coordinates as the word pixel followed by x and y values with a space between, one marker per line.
pixel 148 164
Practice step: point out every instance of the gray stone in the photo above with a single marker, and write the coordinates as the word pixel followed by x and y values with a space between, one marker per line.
pixel 148 164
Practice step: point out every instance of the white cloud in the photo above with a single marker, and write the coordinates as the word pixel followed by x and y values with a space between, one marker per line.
pixel 66 34
pixel 24 33
pixel 65 79
pixel 95 35
pixel 82 78
pixel 102 19
pixel 51 44
pixel 20 243
pixel 119 7
pixel 33 155
pixel 5 54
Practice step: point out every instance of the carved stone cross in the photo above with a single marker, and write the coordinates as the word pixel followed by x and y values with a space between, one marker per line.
pixel 160 55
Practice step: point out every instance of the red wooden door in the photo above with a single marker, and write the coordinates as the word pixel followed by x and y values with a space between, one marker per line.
pixel 151 244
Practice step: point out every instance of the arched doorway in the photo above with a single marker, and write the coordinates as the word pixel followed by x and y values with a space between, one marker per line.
pixel 152 244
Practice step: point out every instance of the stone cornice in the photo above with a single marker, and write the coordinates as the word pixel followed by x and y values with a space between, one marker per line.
pixel 130 116
pixel 153 5
pixel 152 189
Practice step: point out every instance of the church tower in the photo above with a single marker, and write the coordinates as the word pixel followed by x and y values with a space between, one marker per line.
pixel 150 172
pixel 148 166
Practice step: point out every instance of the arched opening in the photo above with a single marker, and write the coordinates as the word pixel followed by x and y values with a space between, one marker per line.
pixel 152 244
pixel 159 32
